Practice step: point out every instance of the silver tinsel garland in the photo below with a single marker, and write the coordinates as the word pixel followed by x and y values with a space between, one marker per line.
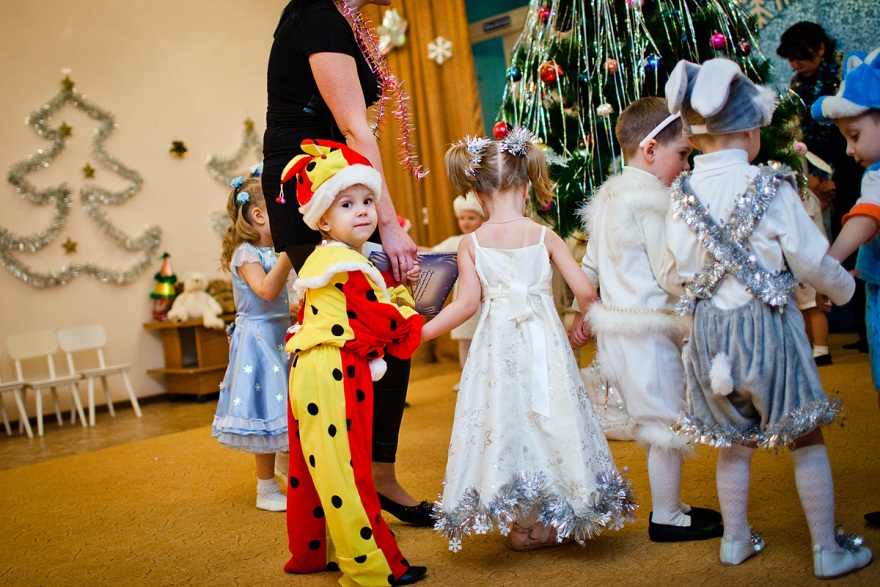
pixel 728 244
pixel 93 200
pixel 783 433
pixel 223 170
pixel 609 506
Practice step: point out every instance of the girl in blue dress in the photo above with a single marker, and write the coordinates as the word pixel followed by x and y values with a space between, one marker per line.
pixel 252 408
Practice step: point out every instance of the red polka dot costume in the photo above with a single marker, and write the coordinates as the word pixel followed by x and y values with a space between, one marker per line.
pixel 348 318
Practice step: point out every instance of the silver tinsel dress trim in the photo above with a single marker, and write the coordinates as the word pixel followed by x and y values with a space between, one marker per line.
pixel 780 434
pixel 609 507
pixel 728 243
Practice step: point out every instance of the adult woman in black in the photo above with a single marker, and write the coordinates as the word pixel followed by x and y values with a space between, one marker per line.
pixel 319 87
pixel 810 52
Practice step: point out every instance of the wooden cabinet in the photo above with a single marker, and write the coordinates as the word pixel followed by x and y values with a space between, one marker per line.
pixel 195 356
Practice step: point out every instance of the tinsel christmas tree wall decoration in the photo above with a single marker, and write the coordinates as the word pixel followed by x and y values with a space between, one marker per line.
pixel 224 169
pixel 578 63
pixel 93 199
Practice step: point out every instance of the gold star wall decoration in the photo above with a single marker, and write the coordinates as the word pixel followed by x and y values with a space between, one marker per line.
pixel 69 246
pixel 67 83
pixel 65 130
pixel 88 171
pixel 178 149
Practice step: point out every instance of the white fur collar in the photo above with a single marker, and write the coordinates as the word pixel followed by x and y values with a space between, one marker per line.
pixel 638 189
pixel 341 260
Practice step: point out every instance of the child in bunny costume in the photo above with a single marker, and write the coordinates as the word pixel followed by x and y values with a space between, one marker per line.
pixel 741 242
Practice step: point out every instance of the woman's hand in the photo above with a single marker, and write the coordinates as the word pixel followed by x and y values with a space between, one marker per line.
pixel 400 248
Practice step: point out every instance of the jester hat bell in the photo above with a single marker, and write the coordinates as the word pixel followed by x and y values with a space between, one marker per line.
pixel 325 169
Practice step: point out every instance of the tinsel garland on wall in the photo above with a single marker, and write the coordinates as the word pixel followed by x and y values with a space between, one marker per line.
pixel 92 198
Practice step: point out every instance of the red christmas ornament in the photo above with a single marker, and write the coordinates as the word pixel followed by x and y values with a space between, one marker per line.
pixel 544 13
pixel 745 48
pixel 718 41
pixel 611 66
pixel 500 130
pixel 549 72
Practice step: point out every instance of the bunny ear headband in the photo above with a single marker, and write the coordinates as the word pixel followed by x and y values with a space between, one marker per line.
pixel 719 92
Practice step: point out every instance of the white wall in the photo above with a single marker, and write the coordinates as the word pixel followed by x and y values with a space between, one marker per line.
pixel 190 70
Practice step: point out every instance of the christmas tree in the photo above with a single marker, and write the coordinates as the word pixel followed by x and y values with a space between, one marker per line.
pixel 579 63
pixel 93 199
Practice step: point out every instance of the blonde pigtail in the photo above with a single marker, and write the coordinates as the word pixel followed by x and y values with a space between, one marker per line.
pixel 539 175
pixel 460 169
pixel 241 231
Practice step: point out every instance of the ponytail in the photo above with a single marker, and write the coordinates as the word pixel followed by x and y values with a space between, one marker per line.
pixel 241 231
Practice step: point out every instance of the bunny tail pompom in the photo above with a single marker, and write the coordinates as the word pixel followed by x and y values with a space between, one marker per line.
pixel 766 101
pixel 378 368
pixel 720 375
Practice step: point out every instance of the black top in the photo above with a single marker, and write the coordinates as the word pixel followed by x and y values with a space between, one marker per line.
pixel 296 110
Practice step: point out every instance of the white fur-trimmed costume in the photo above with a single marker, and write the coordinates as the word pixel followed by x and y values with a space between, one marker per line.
pixel 639 337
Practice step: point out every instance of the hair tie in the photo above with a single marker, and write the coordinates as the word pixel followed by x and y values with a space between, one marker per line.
pixel 243 198
pixel 475 147
pixel 237 182
pixel 516 142
pixel 666 122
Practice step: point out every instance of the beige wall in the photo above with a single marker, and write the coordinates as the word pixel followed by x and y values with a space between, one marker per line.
pixel 190 70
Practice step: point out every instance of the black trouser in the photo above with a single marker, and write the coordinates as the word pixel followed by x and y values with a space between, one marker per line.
pixel 389 393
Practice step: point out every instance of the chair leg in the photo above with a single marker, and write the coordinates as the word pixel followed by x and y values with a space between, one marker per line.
pixel 107 396
pixel 78 405
pixel 39 412
pixel 22 414
pixel 5 418
pixel 131 395
pixel 91 401
pixel 57 407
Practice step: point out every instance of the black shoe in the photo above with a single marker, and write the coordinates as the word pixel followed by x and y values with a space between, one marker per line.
pixel 412 575
pixel 873 519
pixel 705 514
pixel 698 530
pixel 417 515
pixel 822 360
pixel 859 345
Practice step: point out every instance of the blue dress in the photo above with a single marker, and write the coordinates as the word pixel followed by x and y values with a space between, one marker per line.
pixel 252 409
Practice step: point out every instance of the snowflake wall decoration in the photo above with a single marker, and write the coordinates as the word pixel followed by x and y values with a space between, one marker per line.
pixel 440 50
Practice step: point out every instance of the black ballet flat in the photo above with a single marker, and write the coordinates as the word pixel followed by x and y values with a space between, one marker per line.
pixel 417 515
pixel 412 574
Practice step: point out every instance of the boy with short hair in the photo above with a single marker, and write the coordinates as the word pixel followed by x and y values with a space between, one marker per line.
pixel 741 241
pixel 856 111
pixel 639 337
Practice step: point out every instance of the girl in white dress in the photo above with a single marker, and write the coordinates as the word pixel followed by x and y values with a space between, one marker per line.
pixel 527 456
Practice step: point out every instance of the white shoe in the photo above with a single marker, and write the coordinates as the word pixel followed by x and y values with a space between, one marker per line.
pixel 735 552
pixel 828 564
pixel 272 502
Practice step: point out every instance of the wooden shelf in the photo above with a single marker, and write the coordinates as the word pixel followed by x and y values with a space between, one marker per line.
pixel 195 356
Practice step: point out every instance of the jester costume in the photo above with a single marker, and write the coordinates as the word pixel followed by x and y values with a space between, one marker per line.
pixel 347 321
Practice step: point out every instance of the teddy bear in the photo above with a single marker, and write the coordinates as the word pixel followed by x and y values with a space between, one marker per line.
pixel 195 302
pixel 221 290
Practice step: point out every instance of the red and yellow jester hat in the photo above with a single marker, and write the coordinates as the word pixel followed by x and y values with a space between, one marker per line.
pixel 327 168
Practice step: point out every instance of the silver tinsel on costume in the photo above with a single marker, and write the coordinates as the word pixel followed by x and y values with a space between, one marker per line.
pixel 847 541
pixel 728 244
pixel 528 493
pixel 782 433
pixel 93 200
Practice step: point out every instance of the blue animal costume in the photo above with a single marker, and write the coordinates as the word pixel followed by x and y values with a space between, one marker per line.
pixel 252 408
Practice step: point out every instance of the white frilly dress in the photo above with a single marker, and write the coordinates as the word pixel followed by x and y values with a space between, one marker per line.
pixel 525 444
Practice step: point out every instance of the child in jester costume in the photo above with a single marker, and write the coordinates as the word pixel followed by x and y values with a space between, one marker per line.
pixel 349 316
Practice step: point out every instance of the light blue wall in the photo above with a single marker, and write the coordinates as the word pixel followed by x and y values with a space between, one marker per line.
pixel 489 61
